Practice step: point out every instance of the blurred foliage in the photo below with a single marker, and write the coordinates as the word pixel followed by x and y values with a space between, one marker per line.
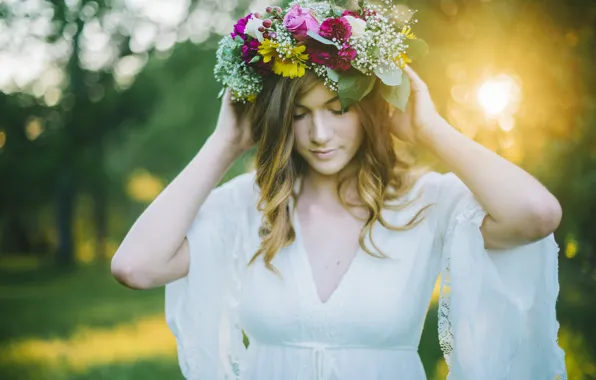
pixel 83 154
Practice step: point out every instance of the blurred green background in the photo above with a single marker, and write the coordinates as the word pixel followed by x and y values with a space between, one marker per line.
pixel 103 102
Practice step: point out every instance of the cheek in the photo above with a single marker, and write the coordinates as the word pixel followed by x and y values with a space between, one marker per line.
pixel 300 136
pixel 353 131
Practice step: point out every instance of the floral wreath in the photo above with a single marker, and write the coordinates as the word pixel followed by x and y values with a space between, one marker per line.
pixel 348 49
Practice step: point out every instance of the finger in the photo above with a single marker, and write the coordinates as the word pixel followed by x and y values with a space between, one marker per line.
pixel 416 82
pixel 228 95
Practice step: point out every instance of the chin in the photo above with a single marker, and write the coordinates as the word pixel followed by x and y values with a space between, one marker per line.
pixel 327 168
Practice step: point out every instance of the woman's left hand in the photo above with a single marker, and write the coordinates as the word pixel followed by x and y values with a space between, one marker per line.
pixel 420 113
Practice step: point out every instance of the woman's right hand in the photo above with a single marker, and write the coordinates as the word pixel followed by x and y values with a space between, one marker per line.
pixel 233 125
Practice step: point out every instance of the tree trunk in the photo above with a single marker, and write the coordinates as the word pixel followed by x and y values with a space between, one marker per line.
pixel 65 202
pixel 13 236
pixel 100 198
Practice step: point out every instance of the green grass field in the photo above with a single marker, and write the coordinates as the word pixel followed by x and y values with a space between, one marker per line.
pixel 80 325
pixel 83 325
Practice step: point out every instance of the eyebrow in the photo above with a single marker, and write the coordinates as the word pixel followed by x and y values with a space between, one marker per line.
pixel 327 102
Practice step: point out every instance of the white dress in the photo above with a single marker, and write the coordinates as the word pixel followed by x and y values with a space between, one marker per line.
pixel 497 317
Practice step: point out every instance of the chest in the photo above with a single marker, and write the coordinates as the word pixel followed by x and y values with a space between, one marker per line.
pixel 376 300
pixel 330 242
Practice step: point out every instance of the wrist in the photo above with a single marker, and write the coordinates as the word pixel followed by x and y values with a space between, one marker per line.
pixel 224 147
pixel 431 131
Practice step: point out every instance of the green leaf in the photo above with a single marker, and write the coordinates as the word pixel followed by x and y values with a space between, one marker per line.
pixel 221 92
pixel 333 75
pixel 376 51
pixel 363 70
pixel 351 88
pixel 254 59
pixel 239 41
pixel 227 52
pixel 397 96
pixel 323 40
pixel 417 49
pixel 390 77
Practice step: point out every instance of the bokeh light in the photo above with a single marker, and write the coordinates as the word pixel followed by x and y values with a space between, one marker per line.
pixel 496 95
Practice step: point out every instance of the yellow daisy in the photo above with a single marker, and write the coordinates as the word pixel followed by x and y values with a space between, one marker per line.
pixel 268 49
pixel 291 64
pixel 402 60
pixel 407 31
pixel 288 68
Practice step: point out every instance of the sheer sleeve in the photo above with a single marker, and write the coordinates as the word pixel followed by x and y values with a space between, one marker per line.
pixel 200 307
pixel 497 318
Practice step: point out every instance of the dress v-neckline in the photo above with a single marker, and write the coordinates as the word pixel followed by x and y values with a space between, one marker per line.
pixel 305 260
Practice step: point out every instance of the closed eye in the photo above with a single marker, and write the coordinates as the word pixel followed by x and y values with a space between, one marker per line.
pixel 334 112
pixel 340 112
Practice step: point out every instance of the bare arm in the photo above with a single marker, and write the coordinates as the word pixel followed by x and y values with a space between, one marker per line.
pixel 155 250
pixel 520 209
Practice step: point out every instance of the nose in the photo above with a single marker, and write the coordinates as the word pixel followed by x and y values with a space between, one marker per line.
pixel 321 130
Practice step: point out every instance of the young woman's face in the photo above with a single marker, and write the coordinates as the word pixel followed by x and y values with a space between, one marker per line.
pixel 327 139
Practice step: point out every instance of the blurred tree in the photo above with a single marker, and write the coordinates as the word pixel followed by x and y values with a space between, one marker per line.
pixel 99 47
pixel 69 157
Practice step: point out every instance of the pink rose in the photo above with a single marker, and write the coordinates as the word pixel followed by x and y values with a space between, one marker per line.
pixel 299 21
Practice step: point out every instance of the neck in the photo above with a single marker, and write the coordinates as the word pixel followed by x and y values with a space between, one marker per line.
pixel 321 187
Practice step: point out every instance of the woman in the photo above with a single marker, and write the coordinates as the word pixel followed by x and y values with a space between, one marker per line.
pixel 326 255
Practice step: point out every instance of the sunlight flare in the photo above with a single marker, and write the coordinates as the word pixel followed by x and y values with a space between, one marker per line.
pixel 498 94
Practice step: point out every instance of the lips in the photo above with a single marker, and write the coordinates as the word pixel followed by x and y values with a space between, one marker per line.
pixel 323 153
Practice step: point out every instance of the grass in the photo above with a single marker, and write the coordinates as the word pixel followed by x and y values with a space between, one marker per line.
pixel 83 325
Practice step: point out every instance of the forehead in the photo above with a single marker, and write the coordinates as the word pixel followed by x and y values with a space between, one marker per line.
pixel 316 96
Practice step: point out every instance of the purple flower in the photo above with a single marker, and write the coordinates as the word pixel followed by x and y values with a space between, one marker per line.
pixel 338 28
pixel 240 27
pixel 249 51
pixel 299 21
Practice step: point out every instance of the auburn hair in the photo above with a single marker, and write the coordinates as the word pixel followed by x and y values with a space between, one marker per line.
pixel 385 171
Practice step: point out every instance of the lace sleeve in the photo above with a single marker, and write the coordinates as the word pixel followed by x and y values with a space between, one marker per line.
pixel 497 317
pixel 200 308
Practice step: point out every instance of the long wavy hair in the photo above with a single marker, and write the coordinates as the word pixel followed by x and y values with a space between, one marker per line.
pixel 385 166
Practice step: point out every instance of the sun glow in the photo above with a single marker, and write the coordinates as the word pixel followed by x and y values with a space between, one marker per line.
pixel 498 94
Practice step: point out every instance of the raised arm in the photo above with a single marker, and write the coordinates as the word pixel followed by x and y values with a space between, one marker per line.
pixel 155 251
pixel 520 209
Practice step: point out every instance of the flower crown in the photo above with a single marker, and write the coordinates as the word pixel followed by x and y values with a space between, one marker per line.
pixel 348 49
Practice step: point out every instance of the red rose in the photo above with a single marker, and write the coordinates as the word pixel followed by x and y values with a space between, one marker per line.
pixel 330 56
pixel 338 28
pixel 351 13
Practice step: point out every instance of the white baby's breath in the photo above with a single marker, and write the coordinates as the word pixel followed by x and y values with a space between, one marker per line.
pixel 377 38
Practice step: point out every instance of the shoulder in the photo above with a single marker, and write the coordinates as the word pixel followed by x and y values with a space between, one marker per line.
pixel 437 185
pixel 425 183
pixel 240 191
pixel 434 188
pixel 242 183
